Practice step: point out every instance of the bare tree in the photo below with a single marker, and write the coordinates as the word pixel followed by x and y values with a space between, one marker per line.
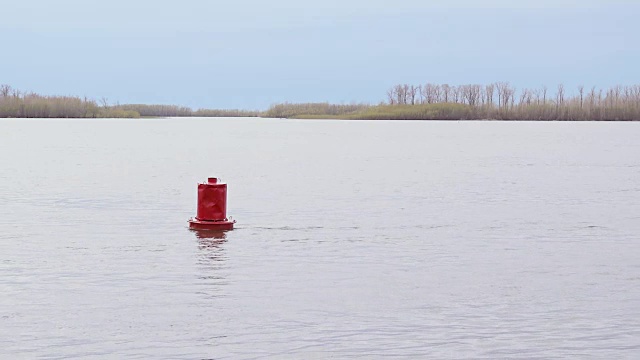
pixel 523 97
pixel 446 93
pixel 489 93
pixel 504 92
pixel 391 96
pixel 581 92
pixel 560 94
pixel 412 92
pixel 455 91
pixel 430 92
pixel 5 90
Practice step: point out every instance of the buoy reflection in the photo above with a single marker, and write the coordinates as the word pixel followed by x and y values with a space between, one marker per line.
pixel 210 234
pixel 211 261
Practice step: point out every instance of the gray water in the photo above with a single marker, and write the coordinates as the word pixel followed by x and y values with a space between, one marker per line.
pixel 354 239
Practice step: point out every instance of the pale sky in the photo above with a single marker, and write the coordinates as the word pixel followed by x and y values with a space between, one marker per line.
pixel 249 54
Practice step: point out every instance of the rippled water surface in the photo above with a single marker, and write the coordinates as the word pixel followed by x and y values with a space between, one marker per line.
pixel 354 239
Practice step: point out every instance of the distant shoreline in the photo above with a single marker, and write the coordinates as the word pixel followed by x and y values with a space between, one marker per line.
pixel 493 102
pixel 306 119
pixel 496 101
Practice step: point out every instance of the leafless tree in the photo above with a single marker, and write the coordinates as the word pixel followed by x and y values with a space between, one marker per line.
pixel 391 96
pixel 560 94
pixel 5 90
pixel 581 92
pixel 489 93
pixel 412 92
pixel 446 92
pixel 504 92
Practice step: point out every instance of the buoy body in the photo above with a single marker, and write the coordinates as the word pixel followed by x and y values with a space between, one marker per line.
pixel 212 207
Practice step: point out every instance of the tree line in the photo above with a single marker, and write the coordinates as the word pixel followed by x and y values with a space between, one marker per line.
pixel 503 101
pixel 313 110
pixel 500 101
pixel 182 111
pixel 442 111
pixel 18 104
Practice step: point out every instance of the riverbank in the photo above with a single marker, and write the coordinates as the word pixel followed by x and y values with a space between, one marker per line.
pixel 18 104
pixel 449 111
pixel 497 101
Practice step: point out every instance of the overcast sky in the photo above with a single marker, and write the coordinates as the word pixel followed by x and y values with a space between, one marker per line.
pixel 250 53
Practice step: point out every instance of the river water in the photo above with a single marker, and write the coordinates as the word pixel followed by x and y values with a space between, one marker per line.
pixel 354 239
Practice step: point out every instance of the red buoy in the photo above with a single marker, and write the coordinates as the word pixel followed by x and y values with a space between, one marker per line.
pixel 212 207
